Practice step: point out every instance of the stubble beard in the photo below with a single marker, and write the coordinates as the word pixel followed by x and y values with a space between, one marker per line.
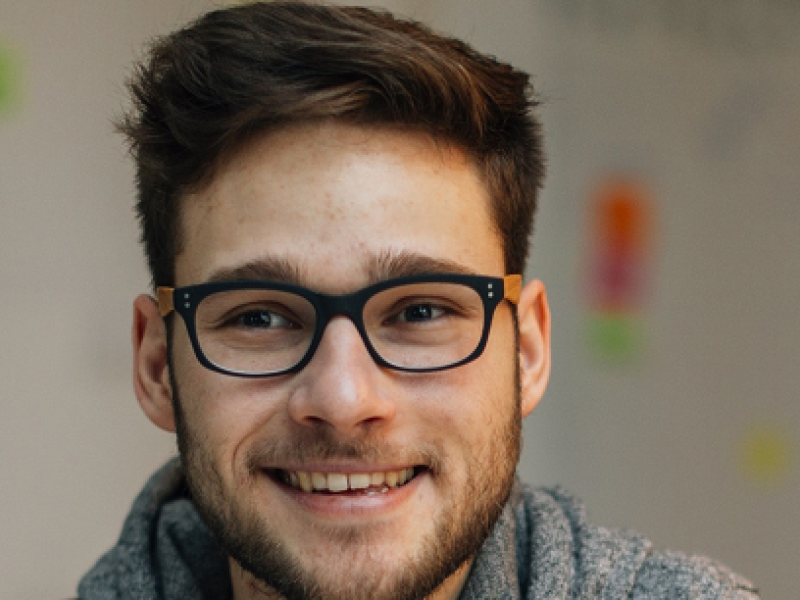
pixel 353 573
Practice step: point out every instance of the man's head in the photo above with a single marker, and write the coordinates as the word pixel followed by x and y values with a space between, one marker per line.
pixel 293 155
pixel 234 74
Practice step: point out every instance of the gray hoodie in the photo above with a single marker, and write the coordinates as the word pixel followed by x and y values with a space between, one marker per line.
pixel 541 547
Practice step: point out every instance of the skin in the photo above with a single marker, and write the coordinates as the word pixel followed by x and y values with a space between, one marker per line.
pixel 344 206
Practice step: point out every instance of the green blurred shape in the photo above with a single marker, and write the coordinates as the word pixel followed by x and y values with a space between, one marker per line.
pixel 616 337
pixel 10 80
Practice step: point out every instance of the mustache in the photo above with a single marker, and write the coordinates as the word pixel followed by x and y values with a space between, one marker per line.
pixel 324 445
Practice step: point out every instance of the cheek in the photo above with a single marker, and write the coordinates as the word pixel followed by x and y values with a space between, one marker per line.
pixel 221 413
pixel 484 400
pixel 466 405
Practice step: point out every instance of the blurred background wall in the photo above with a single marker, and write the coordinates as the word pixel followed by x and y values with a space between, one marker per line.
pixel 667 236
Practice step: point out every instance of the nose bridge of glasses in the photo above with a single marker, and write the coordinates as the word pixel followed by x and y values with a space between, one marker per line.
pixel 349 305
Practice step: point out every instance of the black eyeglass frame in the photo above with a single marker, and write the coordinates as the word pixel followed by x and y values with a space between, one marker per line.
pixel 185 300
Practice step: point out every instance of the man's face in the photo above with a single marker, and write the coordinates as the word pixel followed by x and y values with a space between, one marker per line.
pixel 335 208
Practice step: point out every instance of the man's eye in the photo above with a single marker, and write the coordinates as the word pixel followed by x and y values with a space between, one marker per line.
pixel 263 319
pixel 419 312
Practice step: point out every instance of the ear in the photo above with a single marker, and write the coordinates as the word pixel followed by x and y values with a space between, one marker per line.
pixel 150 367
pixel 534 344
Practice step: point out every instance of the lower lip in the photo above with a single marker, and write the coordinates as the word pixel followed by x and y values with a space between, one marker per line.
pixel 332 505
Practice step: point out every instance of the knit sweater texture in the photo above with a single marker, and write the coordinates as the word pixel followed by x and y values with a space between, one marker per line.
pixel 541 547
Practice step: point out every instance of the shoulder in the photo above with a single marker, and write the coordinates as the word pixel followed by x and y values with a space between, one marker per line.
pixel 602 562
pixel 666 574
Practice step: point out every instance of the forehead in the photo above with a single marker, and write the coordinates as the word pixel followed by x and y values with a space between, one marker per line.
pixel 335 205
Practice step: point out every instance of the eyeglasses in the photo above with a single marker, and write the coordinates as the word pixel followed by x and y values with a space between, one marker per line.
pixel 262 329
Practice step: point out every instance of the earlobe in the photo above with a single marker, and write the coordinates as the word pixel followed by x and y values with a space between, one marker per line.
pixel 151 380
pixel 534 344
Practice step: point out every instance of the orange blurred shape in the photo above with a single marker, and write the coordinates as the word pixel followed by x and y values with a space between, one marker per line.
pixel 620 231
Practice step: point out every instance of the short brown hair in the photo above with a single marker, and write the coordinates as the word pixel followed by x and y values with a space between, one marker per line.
pixel 205 90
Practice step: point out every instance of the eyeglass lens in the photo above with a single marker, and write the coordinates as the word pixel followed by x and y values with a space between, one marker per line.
pixel 419 325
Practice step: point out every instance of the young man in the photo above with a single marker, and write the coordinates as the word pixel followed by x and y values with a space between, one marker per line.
pixel 336 208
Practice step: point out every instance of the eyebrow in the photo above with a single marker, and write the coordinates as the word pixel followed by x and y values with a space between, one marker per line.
pixel 381 267
pixel 262 269
pixel 404 263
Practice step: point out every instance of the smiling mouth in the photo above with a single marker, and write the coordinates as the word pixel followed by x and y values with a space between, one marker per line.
pixel 369 483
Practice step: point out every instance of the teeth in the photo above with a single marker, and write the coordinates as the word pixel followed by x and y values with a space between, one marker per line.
pixel 319 481
pixel 340 482
pixel 337 482
pixel 404 475
pixel 305 481
pixel 359 481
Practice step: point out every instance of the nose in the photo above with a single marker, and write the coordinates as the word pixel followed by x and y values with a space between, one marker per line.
pixel 342 386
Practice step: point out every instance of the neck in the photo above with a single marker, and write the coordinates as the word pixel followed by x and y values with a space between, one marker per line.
pixel 247 587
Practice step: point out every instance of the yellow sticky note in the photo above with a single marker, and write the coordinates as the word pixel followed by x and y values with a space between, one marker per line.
pixel 766 454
